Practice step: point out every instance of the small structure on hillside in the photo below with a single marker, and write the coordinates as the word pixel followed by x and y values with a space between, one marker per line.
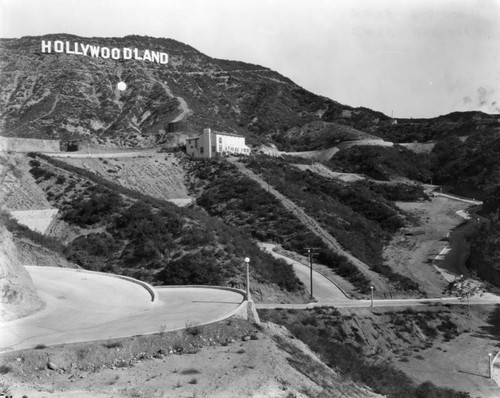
pixel 212 144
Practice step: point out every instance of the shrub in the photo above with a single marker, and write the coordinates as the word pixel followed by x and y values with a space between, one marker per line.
pixel 60 180
pixel 113 344
pixel 190 371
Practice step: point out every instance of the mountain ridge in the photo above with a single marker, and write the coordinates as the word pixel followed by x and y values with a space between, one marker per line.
pixel 64 96
pixel 69 97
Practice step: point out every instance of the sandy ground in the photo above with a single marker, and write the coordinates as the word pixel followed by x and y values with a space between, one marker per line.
pixel 411 251
pixel 83 306
pixel 160 175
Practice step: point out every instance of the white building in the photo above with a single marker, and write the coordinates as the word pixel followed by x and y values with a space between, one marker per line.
pixel 212 144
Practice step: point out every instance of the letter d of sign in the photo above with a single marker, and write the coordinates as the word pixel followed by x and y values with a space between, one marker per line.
pixel 127 53
pixel 163 58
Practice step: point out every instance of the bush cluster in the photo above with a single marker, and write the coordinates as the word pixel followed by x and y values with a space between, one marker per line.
pixel 358 218
pixel 156 241
pixel 241 202
pixel 470 167
pixel 323 333
pixel 381 163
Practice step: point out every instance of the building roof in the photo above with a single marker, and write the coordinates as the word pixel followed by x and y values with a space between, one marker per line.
pixel 229 134
pixel 218 133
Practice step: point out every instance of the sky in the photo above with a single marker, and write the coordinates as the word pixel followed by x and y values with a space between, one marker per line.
pixel 406 58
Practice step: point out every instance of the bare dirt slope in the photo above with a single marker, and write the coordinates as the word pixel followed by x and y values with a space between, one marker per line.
pixel 18 190
pixel 324 171
pixel 411 251
pixel 18 294
pixel 269 364
pixel 158 175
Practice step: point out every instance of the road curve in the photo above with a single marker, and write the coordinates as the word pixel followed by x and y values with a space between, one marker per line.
pixel 323 288
pixel 81 306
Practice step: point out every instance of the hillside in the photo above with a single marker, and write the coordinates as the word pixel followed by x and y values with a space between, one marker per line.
pixel 104 226
pixel 456 124
pixel 58 95
pixel 232 358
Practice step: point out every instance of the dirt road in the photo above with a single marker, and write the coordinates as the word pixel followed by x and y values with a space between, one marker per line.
pixel 412 251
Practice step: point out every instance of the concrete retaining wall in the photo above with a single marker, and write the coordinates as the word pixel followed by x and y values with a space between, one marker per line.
pixel 150 289
pixel 28 145
pixel 36 220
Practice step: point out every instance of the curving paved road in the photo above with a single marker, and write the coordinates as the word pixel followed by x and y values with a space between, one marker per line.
pixel 323 288
pixel 81 306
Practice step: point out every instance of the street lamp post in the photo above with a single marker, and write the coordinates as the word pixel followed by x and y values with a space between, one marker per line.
pixel 490 363
pixel 310 270
pixel 247 261
pixel 371 304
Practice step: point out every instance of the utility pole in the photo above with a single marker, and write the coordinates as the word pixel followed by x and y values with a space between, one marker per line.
pixel 310 253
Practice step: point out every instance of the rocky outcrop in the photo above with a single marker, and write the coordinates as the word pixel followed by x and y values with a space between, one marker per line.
pixel 18 294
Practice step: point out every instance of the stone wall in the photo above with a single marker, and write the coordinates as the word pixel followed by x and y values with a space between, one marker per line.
pixel 36 220
pixel 28 145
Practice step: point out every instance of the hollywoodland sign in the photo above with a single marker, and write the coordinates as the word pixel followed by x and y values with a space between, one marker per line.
pixel 58 46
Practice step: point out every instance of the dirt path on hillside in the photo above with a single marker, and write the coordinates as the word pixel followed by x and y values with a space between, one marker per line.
pixel 378 282
pixel 411 251
pixel 183 106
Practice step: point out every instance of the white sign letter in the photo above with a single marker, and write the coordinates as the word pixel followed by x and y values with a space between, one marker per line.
pixel 146 56
pixel 46 46
pixel 155 56
pixel 115 53
pixel 68 51
pixel 105 52
pixel 58 46
pixel 136 55
pixel 75 51
pixel 163 58
pixel 85 48
pixel 127 53
pixel 94 51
